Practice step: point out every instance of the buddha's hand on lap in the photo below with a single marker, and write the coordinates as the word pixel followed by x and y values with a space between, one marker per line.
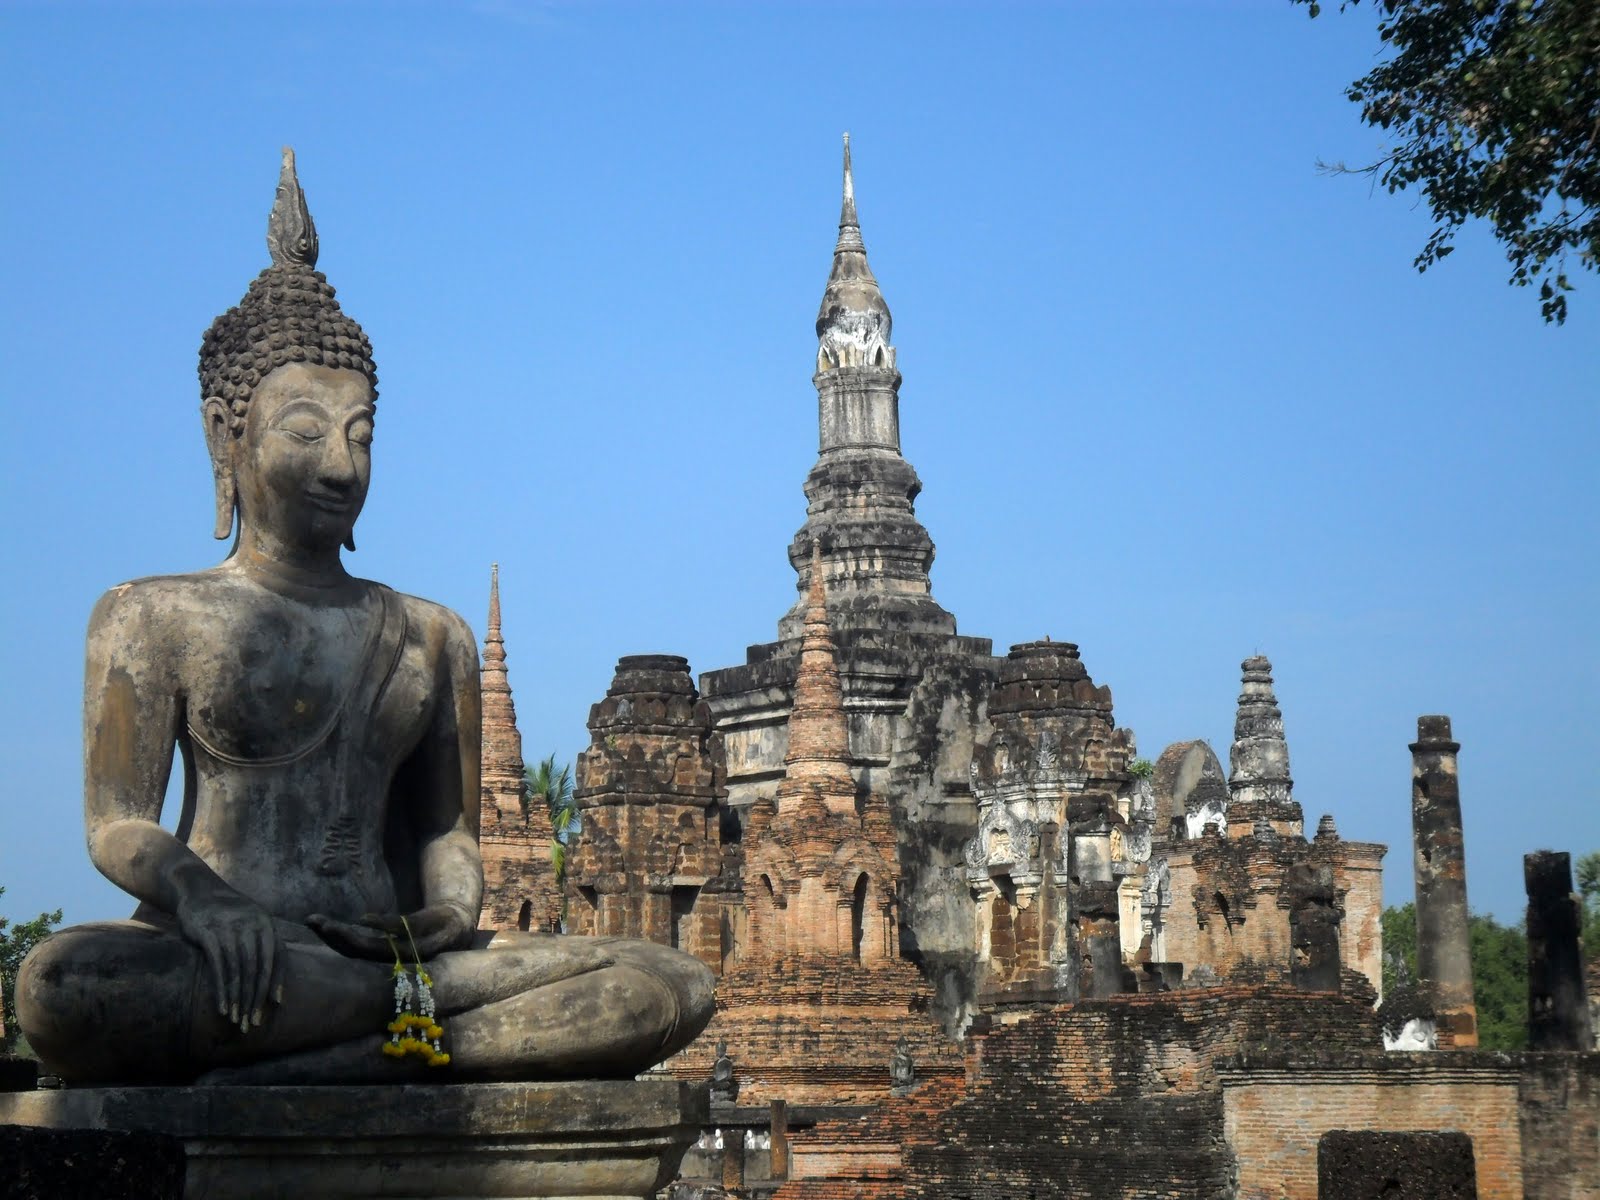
pixel 241 947
pixel 433 930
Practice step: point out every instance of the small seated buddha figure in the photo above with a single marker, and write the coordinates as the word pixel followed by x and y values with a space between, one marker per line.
pixel 329 735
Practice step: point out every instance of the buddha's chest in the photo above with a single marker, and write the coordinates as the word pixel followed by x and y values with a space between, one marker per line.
pixel 289 683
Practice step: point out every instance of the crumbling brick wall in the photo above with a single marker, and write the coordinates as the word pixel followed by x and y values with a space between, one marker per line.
pixel 812 1031
pixel 1113 1097
pixel 649 856
pixel 1276 1110
pixel 1560 1123
pixel 1354 1164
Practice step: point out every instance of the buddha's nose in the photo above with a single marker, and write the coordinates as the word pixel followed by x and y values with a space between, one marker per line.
pixel 338 467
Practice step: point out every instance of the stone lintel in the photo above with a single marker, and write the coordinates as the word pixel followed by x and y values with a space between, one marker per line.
pixel 610 1139
pixel 759 1116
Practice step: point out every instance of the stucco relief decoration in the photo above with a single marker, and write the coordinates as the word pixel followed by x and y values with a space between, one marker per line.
pixel 856 340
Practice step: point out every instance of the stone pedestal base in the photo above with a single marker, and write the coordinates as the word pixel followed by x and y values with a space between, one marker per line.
pixel 602 1140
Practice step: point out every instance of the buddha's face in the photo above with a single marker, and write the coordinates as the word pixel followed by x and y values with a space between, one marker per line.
pixel 304 462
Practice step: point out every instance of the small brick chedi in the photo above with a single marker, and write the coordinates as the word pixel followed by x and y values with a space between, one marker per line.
pixel 1251 895
pixel 941 883
pixel 514 836
pixel 649 861
pixel 819 990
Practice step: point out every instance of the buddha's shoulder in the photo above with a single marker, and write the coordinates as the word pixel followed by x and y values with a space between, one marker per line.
pixel 432 622
pixel 160 593
pixel 158 615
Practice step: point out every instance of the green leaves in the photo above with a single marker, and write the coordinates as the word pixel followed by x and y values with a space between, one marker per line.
pixel 1588 873
pixel 551 786
pixel 1497 104
pixel 15 942
pixel 1499 972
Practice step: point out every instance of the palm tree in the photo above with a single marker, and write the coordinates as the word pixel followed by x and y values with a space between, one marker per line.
pixel 551 786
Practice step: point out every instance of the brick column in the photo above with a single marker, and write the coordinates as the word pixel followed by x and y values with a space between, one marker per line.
pixel 780 1140
pixel 1099 940
pixel 1558 1010
pixel 733 1158
pixel 1444 958
pixel 1314 919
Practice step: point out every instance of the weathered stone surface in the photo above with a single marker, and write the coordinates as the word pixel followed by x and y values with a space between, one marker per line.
pixel 572 1140
pixel 1558 1010
pixel 1259 785
pixel 1115 1097
pixel 875 552
pixel 914 691
pixel 1591 980
pixel 648 861
pixel 49 1164
pixel 1265 901
pixel 329 729
pixel 1444 954
pixel 1191 791
pixel 514 835
pixel 819 990
pixel 1407 1014
pixel 1314 919
pixel 1234 887
pixel 1061 826
pixel 820 875
pixel 1360 1164
pixel 1559 1115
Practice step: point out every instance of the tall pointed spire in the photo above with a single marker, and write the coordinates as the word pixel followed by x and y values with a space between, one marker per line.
pixel 494 643
pixel 853 323
pixel 514 834
pixel 818 758
pixel 861 489
pixel 502 763
pixel 1259 784
pixel 849 225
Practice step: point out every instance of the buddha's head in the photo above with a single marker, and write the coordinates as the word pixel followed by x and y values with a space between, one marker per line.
pixel 288 390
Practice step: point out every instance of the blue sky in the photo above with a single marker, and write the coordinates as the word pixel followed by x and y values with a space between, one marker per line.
pixel 1173 394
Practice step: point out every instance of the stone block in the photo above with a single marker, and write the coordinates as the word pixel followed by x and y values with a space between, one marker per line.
pixel 1362 1164
pixel 611 1139
pixel 45 1164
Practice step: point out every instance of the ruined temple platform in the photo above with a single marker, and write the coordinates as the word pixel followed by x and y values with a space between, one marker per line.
pixel 593 1140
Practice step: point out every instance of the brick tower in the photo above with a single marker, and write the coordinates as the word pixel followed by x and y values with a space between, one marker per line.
pixel 1054 842
pixel 1259 784
pixel 649 851
pixel 1254 898
pixel 820 876
pixel 819 993
pixel 913 689
pixel 514 836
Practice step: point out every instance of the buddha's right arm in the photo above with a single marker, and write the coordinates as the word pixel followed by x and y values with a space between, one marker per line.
pixel 131 714
pixel 132 708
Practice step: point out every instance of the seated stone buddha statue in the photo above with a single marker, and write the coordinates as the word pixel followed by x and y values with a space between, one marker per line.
pixel 329 735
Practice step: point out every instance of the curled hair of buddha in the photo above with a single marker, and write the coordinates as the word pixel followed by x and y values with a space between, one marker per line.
pixel 288 315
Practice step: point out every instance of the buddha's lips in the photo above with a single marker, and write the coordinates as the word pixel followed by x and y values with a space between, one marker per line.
pixel 331 503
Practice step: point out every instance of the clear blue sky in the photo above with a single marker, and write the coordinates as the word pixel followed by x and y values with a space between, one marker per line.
pixel 1173 395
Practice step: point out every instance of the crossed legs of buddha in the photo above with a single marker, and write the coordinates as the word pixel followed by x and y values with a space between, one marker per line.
pixel 129 1002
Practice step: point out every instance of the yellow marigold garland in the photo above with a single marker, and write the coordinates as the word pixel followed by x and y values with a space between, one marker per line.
pixel 414 1012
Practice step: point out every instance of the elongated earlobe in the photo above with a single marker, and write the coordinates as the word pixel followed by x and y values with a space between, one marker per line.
pixel 218 441
pixel 350 542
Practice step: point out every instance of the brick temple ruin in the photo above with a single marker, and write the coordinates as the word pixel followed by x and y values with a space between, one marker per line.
pixel 969 945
